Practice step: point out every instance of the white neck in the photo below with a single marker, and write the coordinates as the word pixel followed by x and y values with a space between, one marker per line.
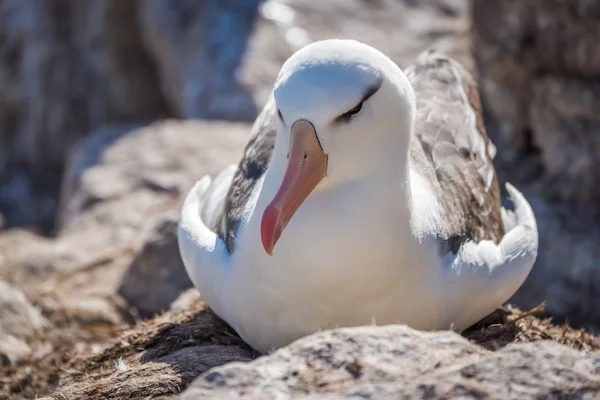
pixel 378 189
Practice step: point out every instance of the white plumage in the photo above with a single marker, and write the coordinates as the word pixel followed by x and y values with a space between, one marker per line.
pixel 373 239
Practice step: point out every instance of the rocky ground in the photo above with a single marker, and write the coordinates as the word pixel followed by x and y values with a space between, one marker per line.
pixel 102 309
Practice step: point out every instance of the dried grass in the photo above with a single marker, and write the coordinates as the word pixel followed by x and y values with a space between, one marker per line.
pixel 160 357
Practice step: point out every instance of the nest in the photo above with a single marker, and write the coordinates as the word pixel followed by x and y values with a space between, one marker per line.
pixel 160 357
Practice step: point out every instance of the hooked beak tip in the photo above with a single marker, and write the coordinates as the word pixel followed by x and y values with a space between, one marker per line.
pixel 268 229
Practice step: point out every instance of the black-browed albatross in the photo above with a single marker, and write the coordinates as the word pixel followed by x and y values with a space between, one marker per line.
pixel 365 195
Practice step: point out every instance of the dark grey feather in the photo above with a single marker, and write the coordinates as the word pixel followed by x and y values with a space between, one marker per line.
pixel 252 167
pixel 451 146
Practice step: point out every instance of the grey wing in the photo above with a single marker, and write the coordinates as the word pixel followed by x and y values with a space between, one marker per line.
pixel 451 146
pixel 251 168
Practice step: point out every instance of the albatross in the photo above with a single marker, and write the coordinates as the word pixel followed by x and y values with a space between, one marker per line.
pixel 365 195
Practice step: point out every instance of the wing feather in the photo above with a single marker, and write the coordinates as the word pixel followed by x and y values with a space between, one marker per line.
pixel 252 167
pixel 451 146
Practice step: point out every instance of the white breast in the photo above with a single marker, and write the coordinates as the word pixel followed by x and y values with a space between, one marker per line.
pixel 346 258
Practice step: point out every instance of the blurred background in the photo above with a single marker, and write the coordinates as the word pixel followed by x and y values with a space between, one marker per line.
pixel 111 109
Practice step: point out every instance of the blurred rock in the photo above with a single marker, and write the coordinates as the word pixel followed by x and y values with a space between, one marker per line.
pixel 564 118
pixel 26 258
pixel 536 59
pixel 197 47
pixel 121 198
pixel 122 187
pixel 68 67
pixel 120 178
pixel 404 29
pixel 398 362
pixel 539 74
pixel 19 322
pixel 17 316
pixel 566 275
pixel 157 275
pixel 122 193
pixel 12 349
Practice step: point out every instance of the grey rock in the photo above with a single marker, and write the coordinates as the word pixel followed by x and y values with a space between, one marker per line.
pixel 398 362
pixel 35 264
pixel 12 349
pixel 404 29
pixel 66 68
pixel 539 70
pixel 17 316
pixel 70 67
pixel 20 322
pixel 566 275
pixel 121 197
pixel 116 247
pixel 121 185
pixel 538 76
pixel 564 117
pixel 121 178
pixel 197 47
pixel 156 275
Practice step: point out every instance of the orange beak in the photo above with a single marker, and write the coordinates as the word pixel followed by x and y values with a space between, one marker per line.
pixel 307 166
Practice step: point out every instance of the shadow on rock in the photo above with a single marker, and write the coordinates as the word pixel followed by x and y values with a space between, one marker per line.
pixel 156 276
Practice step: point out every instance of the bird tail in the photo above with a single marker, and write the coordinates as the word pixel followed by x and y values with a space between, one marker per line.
pixel 494 272
pixel 522 216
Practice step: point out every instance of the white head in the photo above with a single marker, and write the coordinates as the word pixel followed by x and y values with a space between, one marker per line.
pixel 339 104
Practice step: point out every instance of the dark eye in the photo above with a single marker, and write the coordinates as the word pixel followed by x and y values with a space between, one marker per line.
pixel 355 110
pixel 345 117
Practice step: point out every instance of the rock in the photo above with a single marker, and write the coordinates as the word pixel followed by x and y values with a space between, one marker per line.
pixel 17 316
pixel 121 199
pixel 543 101
pixel 405 29
pixel 157 275
pixel 539 74
pixel 25 257
pixel 122 187
pixel 19 322
pixel 69 67
pixel 542 44
pixel 566 274
pixel 564 117
pixel 197 48
pixel 12 349
pixel 161 357
pixel 399 362
pixel 57 84
pixel 120 178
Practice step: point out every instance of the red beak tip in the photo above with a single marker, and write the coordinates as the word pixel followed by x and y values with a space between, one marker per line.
pixel 267 229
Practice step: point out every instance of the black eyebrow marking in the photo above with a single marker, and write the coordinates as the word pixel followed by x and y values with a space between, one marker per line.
pixel 345 117
pixel 371 91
